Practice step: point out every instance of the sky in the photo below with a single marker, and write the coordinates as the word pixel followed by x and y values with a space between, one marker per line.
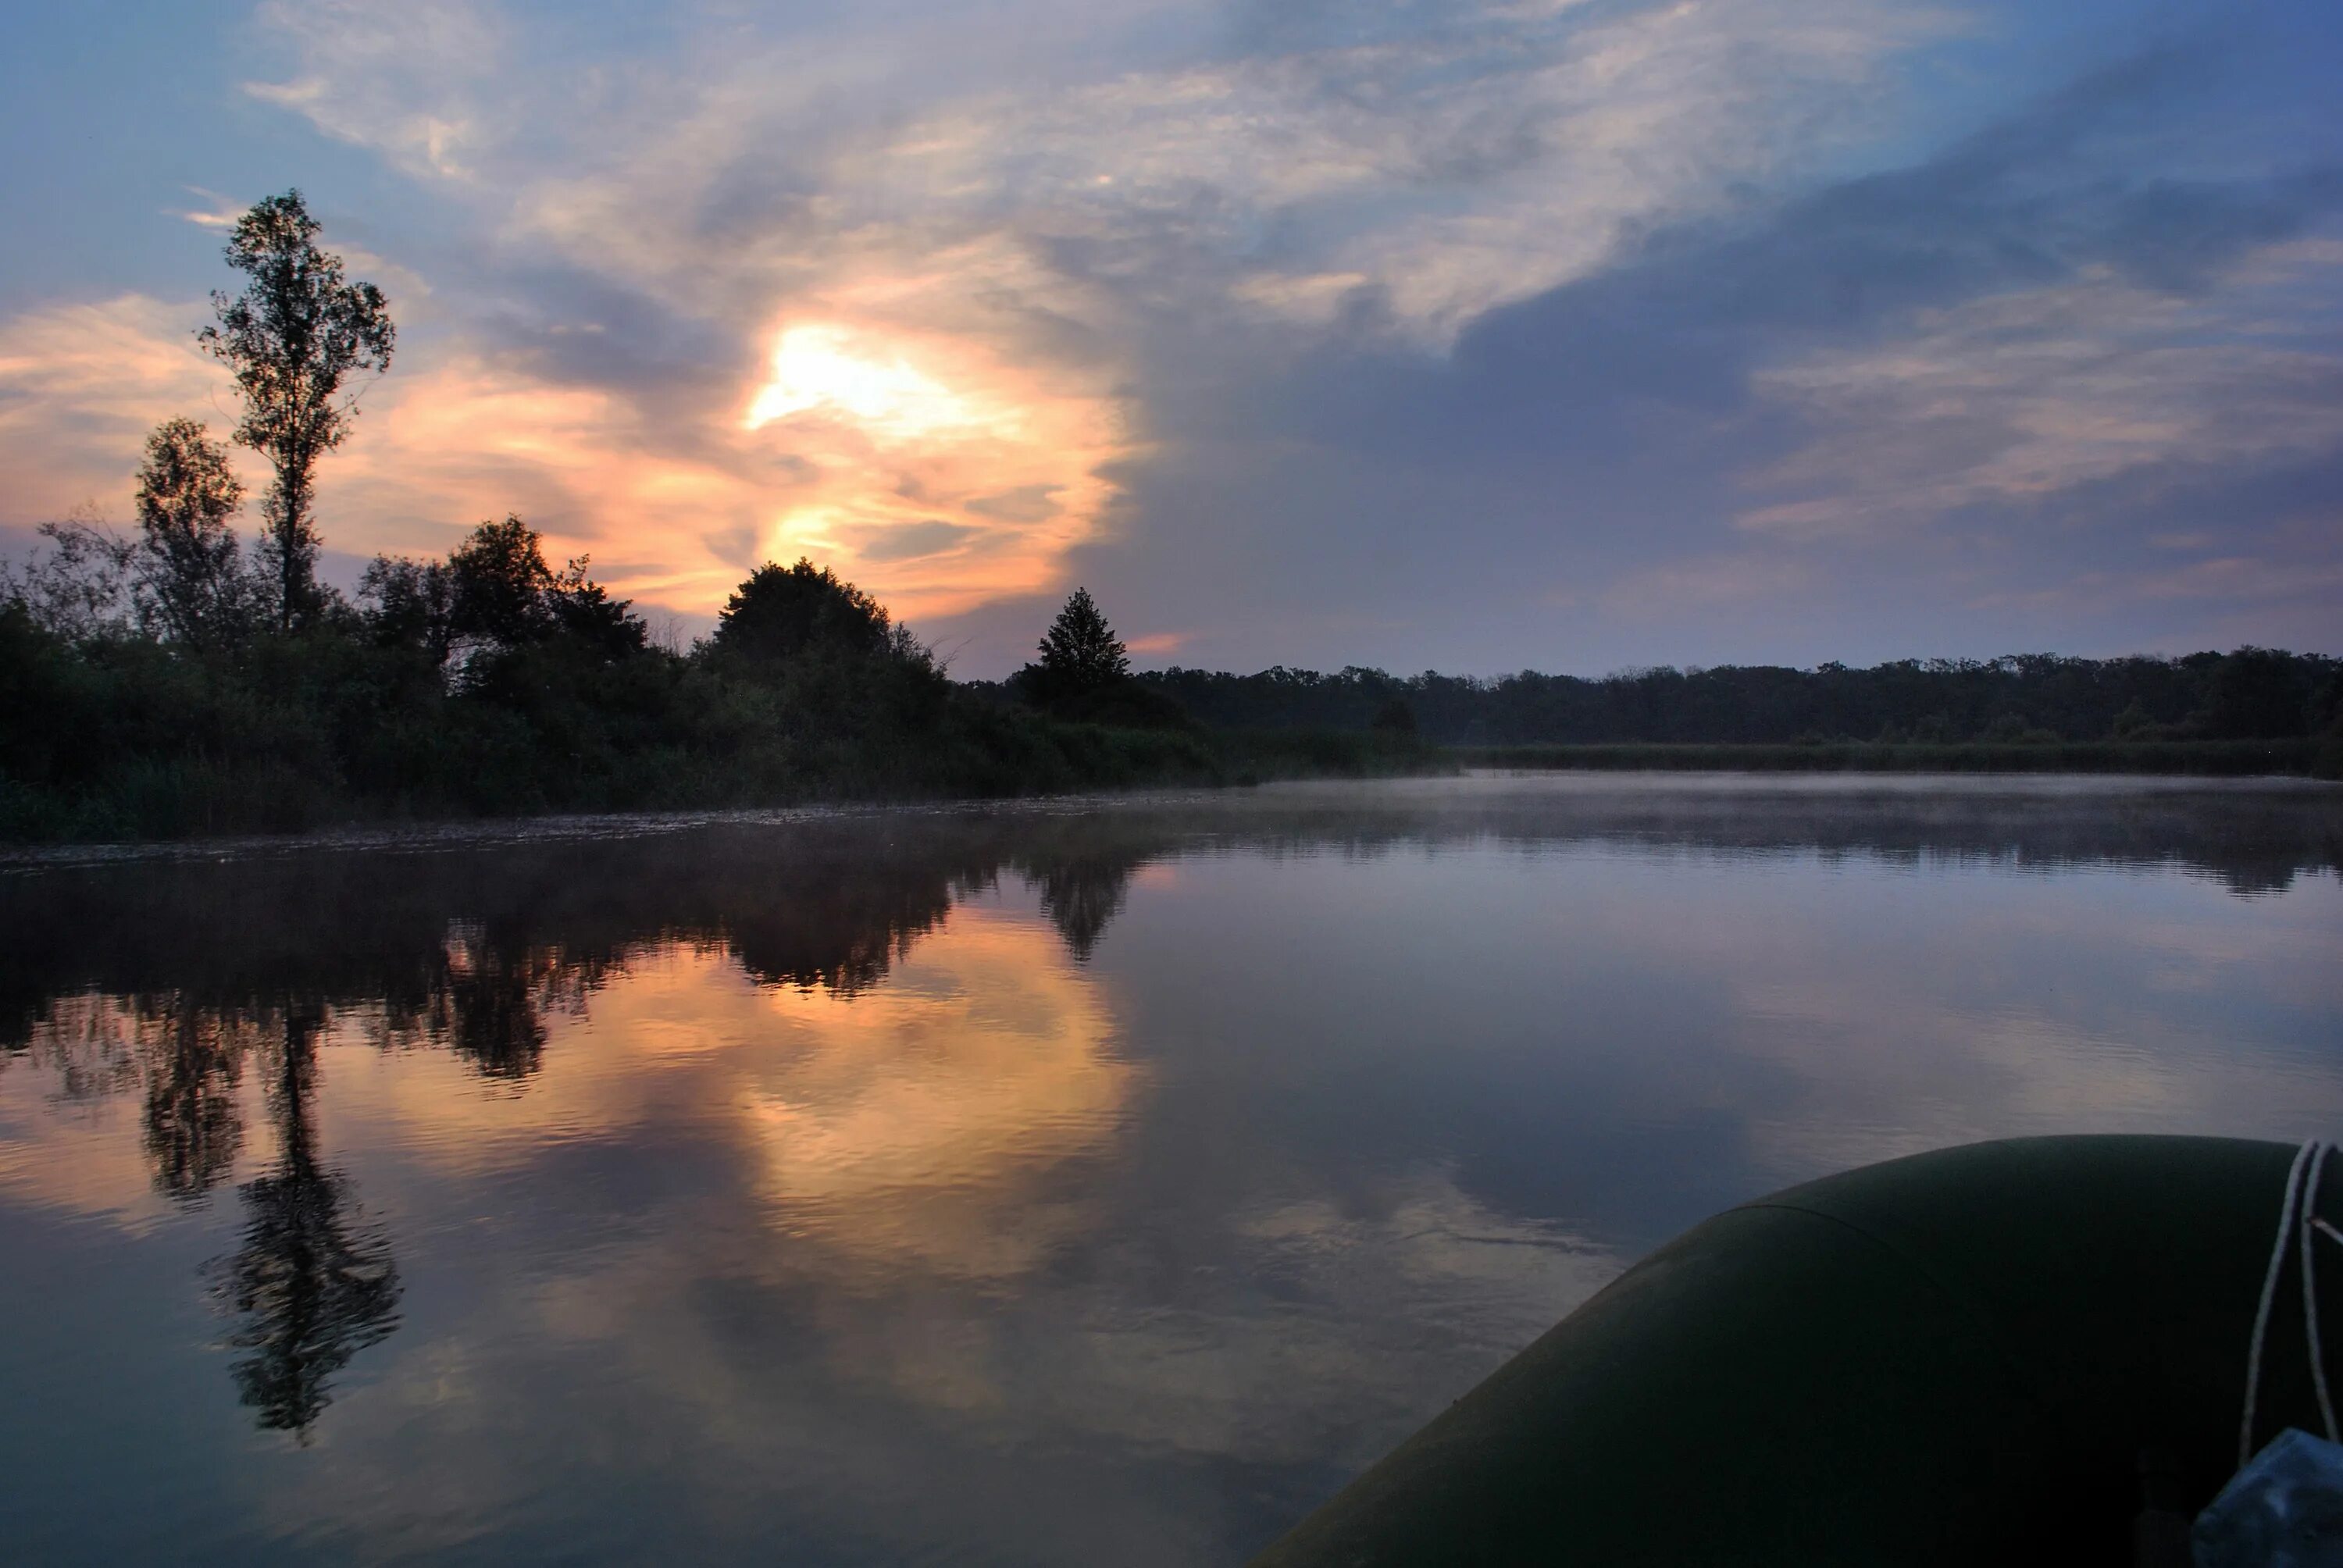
pixel 1478 335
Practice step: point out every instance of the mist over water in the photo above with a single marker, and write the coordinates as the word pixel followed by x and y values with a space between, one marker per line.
pixel 1079 1182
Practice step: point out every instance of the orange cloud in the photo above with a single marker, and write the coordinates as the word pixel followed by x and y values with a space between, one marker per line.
pixel 945 472
pixel 936 471
pixel 81 384
pixel 1158 642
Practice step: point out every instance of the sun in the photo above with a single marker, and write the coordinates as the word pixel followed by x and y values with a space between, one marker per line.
pixel 834 371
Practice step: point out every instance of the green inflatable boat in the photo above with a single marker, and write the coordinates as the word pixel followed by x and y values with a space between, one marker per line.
pixel 2025 1351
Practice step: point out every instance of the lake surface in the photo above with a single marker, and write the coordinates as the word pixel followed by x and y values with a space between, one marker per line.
pixel 1077 1183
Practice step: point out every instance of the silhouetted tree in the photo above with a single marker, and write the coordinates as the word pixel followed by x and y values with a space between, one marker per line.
pixel 1394 717
pixel 1084 674
pixel 502 585
pixel 313 1288
pixel 411 604
pixel 787 613
pixel 585 610
pixel 190 570
pixel 295 335
pixel 2257 692
pixel 82 586
pixel 1080 652
pixel 495 591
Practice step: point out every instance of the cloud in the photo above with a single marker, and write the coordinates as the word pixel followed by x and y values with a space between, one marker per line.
pixel 1158 642
pixel 80 388
pixel 1416 334
pixel 2007 364
pixel 1707 581
pixel 415 80
pixel 911 541
pixel 2022 396
pixel 1008 233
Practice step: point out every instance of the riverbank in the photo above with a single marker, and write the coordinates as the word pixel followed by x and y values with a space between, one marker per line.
pixel 2304 758
pixel 977 754
pixel 1026 757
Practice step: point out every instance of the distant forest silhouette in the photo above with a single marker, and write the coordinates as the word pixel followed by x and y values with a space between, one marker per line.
pixel 2251 694
pixel 180 681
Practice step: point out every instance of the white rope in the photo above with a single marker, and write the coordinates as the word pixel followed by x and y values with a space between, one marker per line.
pixel 2310 1291
pixel 2269 1299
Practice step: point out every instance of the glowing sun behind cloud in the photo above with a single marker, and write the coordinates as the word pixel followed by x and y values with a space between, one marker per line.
pixel 819 368
pixel 940 470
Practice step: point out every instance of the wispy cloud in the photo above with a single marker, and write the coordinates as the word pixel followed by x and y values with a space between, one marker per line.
pixel 80 386
pixel 416 80
pixel 2022 396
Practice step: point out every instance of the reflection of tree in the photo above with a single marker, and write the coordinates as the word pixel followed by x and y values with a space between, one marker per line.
pixel 1080 894
pixel 836 914
pixel 313 1287
pixel 194 1128
pixel 83 1039
pixel 485 996
pixel 497 1023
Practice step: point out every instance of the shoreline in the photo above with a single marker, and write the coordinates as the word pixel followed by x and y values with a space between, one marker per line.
pixel 428 835
pixel 2293 757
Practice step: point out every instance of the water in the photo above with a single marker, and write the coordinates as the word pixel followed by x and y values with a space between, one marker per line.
pixel 1089 1183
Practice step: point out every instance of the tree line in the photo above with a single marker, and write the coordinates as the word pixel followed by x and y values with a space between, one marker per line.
pixel 2249 694
pixel 177 681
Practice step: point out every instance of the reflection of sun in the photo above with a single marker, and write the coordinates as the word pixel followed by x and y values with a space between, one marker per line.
pixel 830 370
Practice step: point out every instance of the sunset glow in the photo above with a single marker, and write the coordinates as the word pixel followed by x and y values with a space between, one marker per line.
pixel 933 468
pixel 930 468
pixel 822 369
pixel 1475 337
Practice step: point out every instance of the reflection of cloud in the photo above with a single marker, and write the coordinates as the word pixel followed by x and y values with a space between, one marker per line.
pixel 1380 1316
pixel 2033 1008
pixel 915 1126
pixel 872 1257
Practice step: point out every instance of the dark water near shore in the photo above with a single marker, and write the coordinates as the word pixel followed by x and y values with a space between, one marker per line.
pixel 1064 1184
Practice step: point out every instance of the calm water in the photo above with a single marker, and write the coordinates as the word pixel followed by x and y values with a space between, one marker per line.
pixel 1053 1185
